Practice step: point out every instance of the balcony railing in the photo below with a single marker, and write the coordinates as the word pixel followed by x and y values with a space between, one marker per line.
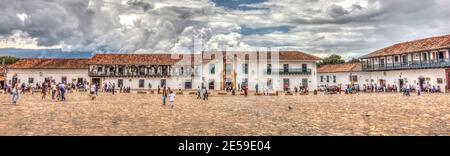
pixel 133 74
pixel 290 71
pixel 408 65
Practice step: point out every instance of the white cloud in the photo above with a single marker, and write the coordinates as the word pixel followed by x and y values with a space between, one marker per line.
pixel 347 27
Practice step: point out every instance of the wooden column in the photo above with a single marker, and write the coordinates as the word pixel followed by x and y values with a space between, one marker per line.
pixel 373 63
pixel 117 70
pixel 420 59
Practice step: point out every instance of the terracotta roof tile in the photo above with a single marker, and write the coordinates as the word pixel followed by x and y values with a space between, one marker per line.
pixel 297 55
pixel 427 44
pixel 336 68
pixel 50 64
pixel 133 59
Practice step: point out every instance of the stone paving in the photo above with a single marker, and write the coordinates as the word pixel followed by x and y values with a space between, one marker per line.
pixel 313 115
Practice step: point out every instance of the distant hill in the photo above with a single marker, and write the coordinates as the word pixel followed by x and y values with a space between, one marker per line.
pixel 42 53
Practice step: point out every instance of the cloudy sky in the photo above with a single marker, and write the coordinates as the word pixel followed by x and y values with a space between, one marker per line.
pixel 347 27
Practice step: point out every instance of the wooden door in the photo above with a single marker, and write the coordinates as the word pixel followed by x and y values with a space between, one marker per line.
pixel 447 77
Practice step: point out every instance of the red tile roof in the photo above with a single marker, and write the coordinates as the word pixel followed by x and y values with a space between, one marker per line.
pixel 50 64
pixel 336 68
pixel 283 55
pixel 134 59
pixel 297 55
pixel 427 44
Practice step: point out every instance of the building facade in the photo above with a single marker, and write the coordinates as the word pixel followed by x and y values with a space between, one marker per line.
pixel 423 62
pixel 215 70
pixel 32 71
pixel 273 70
pixel 342 75
pixel 137 71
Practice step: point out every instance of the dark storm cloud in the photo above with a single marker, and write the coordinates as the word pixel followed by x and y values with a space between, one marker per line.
pixel 139 4
pixel 96 25
pixel 332 26
pixel 49 21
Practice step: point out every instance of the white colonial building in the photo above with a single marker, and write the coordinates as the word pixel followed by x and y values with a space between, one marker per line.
pixel 273 70
pixel 32 71
pixel 214 70
pixel 342 75
pixel 423 62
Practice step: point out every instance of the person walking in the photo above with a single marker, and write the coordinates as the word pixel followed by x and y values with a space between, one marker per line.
pixel 172 99
pixel 96 89
pixel 199 92
pixel 92 91
pixel 15 94
pixel 113 88
pixel 22 88
pixel 53 88
pixel 62 88
pixel 44 91
pixel 205 97
pixel 419 89
pixel 408 89
pixel 245 91
pixel 105 86
pixel 164 96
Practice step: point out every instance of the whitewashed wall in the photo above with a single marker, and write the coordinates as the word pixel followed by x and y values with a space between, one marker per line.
pixel 412 76
pixel 256 74
pixel 343 78
pixel 39 75
pixel 133 83
pixel 391 77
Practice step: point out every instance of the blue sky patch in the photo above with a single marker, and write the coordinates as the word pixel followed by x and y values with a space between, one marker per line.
pixel 237 4
pixel 265 30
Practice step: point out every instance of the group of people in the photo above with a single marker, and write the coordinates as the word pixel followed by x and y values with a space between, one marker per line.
pixel 202 93
pixel 407 88
pixel 167 93
pixel 374 88
pixel 109 87
pixel 301 90
pixel 57 91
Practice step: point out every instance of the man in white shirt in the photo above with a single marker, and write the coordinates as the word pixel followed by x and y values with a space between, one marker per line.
pixel 408 88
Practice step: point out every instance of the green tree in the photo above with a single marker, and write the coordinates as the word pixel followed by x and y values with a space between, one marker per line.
pixel 8 60
pixel 332 59
pixel 354 60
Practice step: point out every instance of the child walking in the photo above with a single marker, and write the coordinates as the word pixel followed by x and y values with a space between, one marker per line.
pixel 171 99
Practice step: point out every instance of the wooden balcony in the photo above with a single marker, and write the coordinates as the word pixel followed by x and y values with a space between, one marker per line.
pixel 290 71
pixel 442 63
